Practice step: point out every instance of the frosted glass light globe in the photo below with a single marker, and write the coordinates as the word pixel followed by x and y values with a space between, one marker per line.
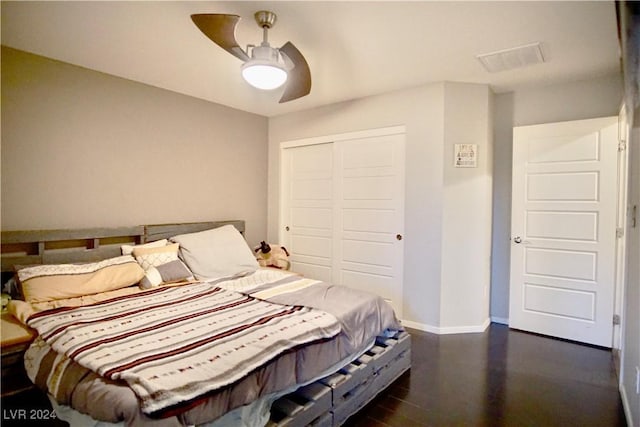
pixel 263 75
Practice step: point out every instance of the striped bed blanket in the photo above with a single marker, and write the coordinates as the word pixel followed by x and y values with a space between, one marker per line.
pixel 174 344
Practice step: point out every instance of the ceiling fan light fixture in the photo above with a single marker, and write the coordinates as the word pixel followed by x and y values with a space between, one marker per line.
pixel 266 75
pixel 263 70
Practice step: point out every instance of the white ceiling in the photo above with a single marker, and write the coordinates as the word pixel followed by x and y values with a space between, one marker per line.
pixel 354 49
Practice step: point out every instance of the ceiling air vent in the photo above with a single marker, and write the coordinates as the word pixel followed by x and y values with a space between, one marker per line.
pixel 515 57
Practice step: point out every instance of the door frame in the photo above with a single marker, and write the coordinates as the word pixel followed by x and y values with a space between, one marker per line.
pixel 621 225
pixel 384 131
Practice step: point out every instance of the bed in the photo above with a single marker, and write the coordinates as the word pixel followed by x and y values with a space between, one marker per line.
pixel 329 351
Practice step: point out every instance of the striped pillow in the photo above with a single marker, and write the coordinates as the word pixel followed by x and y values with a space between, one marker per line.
pixel 42 283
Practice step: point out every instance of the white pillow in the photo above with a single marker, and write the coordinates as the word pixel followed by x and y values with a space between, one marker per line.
pixel 220 252
pixel 128 249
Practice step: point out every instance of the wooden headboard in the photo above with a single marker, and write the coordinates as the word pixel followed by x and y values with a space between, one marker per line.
pixel 31 247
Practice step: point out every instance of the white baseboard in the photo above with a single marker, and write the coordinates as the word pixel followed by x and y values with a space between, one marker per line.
pixel 625 405
pixel 420 326
pixel 448 329
pixel 501 320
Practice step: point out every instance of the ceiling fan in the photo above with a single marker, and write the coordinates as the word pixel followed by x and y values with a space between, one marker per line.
pixel 264 67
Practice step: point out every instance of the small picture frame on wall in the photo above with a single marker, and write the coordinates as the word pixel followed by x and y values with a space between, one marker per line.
pixel 465 156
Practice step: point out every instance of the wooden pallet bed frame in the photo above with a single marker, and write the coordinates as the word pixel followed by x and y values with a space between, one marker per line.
pixel 327 402
pixel 333 399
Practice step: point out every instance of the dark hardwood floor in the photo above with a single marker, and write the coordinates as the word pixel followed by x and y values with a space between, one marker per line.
pixel 500 377
pixel 497 378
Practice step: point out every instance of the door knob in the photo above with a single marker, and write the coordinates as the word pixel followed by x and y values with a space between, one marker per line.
pixel 517 239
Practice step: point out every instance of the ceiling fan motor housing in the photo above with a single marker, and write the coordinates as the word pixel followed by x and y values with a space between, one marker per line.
pixel 265 53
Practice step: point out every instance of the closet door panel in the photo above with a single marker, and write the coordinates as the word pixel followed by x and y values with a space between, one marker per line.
pixel 368 188
pixel 368 254
pixel 376 283
pixel 369 220
pixel 308 209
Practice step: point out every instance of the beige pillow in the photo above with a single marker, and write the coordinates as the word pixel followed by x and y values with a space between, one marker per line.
pixel 59 281
pixel 152 257
pixel 161 265
pixel 128 249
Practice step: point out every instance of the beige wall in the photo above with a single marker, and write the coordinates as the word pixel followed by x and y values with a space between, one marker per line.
pixel 82 149
pixel 631 313
pixel 466 219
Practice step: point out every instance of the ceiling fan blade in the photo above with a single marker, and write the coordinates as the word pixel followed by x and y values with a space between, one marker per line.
pixel 221 29
pixel 299 79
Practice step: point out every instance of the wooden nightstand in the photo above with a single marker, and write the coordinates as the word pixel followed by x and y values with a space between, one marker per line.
pixel 15 339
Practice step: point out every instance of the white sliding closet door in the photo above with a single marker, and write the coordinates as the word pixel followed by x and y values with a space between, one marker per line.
pixel 370 216
pixel 307 214
pixel 342 212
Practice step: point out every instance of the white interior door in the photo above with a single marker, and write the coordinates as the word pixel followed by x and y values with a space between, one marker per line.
pixel 307 210
pixel 370 218
pixel 563 229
